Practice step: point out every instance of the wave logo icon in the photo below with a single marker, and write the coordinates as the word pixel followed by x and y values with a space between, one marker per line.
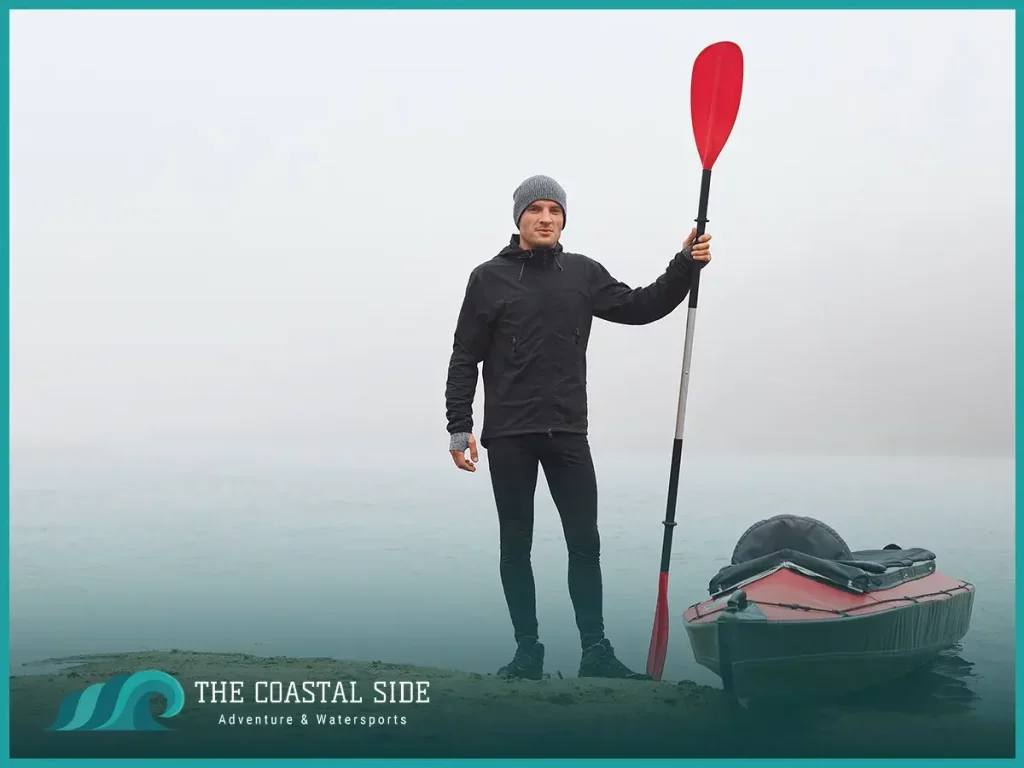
pixel 120 704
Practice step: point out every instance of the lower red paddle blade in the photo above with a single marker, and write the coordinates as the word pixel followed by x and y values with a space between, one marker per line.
pixel 715 89
pixel 659 636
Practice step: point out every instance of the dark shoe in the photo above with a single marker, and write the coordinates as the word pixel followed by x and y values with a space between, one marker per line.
pixel 599 661
pixel 527 664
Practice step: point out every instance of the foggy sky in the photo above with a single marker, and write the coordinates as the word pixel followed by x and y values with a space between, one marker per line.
pixel 252 231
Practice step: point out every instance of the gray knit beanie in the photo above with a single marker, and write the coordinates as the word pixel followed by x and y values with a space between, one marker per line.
pixel 537 188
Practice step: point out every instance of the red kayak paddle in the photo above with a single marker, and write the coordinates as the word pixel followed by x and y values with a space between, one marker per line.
pixel 715 88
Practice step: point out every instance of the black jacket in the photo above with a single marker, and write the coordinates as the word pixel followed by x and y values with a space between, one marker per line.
pixel 526 316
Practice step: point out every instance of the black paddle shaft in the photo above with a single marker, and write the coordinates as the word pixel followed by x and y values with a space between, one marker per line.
pixel 702 219
pixel 677 443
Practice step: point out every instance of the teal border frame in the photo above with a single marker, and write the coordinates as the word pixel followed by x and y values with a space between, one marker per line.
pixel 5 29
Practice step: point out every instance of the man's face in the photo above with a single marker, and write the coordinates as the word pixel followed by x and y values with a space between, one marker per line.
pixel 541 225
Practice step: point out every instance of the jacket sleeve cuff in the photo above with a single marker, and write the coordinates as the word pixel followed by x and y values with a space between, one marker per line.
pixel 686 255
pixel 458 441
pixel 685 263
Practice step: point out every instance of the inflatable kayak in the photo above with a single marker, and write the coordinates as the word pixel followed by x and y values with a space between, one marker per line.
pixel 797 613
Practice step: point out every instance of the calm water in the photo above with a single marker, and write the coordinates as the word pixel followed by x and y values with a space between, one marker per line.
pixel 399 563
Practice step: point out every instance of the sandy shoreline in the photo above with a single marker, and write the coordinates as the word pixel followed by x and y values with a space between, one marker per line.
pixel 467 715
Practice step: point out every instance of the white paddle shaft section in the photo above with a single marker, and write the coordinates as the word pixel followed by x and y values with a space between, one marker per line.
pixel 684 386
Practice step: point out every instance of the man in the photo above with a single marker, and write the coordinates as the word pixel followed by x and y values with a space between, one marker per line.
pixel 527 316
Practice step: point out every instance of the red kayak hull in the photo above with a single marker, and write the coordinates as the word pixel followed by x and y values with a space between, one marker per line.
pixel 789 634
pixel 798 612
pixel 787 595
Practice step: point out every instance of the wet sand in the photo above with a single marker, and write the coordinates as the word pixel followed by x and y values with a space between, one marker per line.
pixel 463 715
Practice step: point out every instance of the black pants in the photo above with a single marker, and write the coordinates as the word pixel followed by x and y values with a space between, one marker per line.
pixel 569 470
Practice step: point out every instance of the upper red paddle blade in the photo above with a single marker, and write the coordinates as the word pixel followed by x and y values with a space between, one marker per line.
pixel 715 89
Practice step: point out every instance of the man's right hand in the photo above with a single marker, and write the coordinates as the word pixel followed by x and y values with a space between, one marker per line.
pixel 460 456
